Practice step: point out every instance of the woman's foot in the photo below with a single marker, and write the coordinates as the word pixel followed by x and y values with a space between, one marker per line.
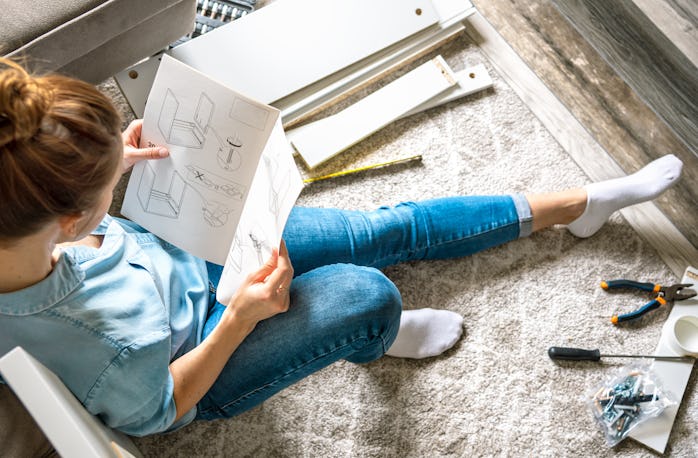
pixel 426 332
pixel 605 197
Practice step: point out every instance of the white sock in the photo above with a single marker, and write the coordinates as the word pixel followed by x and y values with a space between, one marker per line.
pixel 606 197
pixel 426 332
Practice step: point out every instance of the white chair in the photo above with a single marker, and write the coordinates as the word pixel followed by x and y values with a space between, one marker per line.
pixel 72 430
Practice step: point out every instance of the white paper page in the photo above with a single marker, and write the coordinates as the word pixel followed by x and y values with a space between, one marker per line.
pixel 274 191
pixel 194 198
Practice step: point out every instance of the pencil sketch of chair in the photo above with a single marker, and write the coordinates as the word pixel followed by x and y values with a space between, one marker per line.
pixel 71 429
pixel 181 132
pixel 161 202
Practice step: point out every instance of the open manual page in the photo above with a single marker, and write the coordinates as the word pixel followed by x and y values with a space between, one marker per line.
pixel 226 190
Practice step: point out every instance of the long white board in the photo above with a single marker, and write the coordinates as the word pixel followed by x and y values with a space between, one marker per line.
pixel 290 44
pixel 277 68
pixel 318 141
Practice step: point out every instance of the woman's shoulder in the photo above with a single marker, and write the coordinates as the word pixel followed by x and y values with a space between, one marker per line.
pixel 111 310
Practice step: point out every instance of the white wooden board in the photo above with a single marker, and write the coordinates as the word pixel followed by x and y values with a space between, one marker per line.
pixel 291 43
pixel 219 49
pixel 320 140
pixel 470 80
pixel 674 375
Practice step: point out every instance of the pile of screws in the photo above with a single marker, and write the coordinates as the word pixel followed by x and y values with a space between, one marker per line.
pixel 619 406
pixel 626 401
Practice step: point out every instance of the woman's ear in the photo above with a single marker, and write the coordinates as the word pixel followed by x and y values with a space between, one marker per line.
pixel 69 226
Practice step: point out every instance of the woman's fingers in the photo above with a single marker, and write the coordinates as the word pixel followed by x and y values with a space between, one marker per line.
pixel 265 293
pixel 280 278
pixel 132 153
pixel 285 262
pixel 267 269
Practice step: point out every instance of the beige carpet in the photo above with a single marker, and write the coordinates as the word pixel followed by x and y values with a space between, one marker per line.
pixel 496 392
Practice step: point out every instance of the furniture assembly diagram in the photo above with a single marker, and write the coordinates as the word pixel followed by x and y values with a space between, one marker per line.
pixel 280 181
pixel 164 202
pixel 192 131
pixel 255 239
pixel 229 157
pixel 215 213
pixel 200 177
pixel 182 132
pixel 254 242
pixel 167 201
pixel 176 129
pixel 249 114
pixel 230 171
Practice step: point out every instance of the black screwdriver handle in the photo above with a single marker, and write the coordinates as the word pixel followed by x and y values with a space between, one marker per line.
pixel 573 354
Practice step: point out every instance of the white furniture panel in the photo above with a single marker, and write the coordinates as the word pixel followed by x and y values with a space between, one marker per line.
pixel 287 45
pixel 470 80
pixel 318 141
pixel 367 40
pixel 655 432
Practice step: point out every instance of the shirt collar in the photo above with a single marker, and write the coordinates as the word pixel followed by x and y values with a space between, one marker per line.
pixel 65 277
pixel 103 225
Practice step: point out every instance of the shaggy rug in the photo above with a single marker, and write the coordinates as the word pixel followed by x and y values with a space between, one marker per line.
pixel 496 392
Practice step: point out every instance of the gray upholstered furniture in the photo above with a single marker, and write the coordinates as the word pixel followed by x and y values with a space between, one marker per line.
pixel 91 39
pixel 19 434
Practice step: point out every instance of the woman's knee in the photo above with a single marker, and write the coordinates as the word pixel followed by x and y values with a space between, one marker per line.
pixel 377 311
pixel 359 295
pixel 368 288
pixel 376 295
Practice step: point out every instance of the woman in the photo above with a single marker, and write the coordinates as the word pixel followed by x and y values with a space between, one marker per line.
pixel 130 322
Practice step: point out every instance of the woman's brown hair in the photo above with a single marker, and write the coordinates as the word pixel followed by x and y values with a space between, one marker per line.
pixel 60 145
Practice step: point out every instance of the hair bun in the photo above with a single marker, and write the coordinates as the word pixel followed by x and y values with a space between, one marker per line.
pixel 23 103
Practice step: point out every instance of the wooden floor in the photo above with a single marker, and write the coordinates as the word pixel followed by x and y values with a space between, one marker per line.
pixel 659 71
pixel 630 132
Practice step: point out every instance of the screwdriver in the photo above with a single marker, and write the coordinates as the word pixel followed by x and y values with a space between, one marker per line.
pixel 580 354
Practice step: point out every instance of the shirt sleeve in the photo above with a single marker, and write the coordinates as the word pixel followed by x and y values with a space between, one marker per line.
pixel 135 394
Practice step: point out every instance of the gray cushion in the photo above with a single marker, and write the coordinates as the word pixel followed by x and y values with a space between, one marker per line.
pixel 22 21
pixel 20 436
pixel 132 45
pixel 55 34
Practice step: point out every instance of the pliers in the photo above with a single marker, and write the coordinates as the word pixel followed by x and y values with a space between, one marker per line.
pixel 664 295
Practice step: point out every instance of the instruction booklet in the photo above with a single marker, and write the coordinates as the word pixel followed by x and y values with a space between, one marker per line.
pixel 226 190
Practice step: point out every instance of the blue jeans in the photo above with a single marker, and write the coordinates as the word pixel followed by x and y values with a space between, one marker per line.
pixel 342 306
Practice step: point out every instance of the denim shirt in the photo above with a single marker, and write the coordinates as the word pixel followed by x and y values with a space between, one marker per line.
pixel 109 321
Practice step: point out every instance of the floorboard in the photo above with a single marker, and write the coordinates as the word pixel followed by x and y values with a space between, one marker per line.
pixel 635 47
pixel 610 110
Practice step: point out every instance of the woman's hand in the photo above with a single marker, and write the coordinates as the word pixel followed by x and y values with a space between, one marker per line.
pixel 132 153
pixel 264 293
